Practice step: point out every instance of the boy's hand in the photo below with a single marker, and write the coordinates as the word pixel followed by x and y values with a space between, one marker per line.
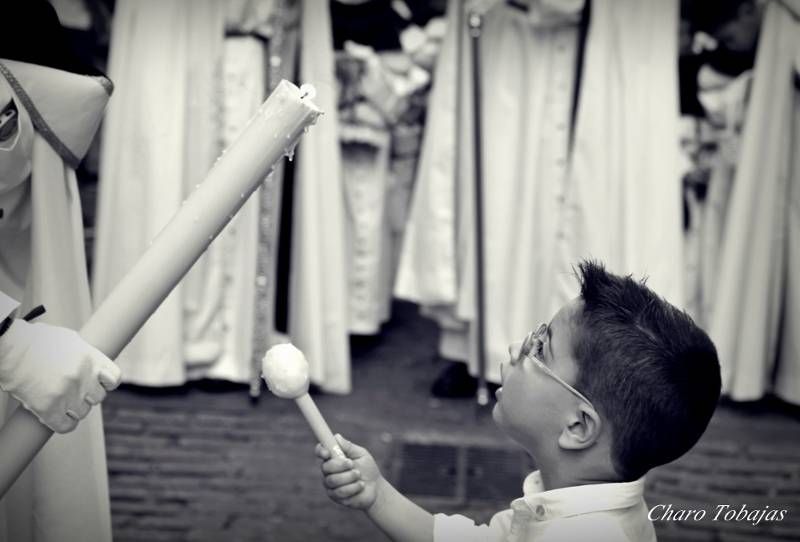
pixel 353 481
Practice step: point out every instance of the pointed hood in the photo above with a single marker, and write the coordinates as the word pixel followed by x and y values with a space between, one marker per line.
pixel 65 108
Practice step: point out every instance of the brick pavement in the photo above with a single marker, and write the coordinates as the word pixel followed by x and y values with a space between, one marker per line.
pixel 202 463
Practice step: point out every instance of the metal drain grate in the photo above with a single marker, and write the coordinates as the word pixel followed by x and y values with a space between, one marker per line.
pixel 427 470
pixel 458 474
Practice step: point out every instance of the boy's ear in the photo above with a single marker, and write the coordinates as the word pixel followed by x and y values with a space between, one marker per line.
pixel 582 430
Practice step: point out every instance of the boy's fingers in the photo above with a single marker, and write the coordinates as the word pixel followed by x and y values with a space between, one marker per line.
pixel 345 492
pixel 351 502
pixel 351 450
pixel 332 481
pixel 337 464
pixel 79 410
pixel 63 424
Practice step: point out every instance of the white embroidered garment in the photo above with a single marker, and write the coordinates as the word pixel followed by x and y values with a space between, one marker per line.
pixel 42 261
pixel 365 176
pixel 219 315
pixel 205 327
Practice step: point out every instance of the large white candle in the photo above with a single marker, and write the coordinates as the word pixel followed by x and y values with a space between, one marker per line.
pixel 271 133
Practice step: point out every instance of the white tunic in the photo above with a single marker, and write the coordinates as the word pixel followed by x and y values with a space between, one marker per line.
pixel 528 70
pixel 624 196
pixel 146 160
pixel 155 149
pixel 756 309
pixel 318 283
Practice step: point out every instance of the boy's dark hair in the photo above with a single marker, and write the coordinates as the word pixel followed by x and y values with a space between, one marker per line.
pixel 652 373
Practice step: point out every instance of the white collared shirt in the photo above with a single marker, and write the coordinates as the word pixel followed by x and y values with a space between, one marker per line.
pixel 611 512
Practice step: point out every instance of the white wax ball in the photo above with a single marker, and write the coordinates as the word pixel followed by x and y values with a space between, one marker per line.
pixel 285 370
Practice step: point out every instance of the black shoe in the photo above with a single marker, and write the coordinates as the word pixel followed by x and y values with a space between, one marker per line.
pixel 454 382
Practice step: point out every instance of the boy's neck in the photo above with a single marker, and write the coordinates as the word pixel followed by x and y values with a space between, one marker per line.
pixel 566 473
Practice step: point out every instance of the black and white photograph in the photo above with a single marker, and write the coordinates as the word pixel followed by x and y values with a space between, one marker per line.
pixel 399 270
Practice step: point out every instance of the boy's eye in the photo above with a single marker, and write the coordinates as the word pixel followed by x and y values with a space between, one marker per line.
pixel 538 349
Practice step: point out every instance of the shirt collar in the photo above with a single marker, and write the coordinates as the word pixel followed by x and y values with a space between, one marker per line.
pixel 576 500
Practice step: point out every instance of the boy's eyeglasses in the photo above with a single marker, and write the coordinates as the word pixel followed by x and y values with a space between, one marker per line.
pixel 533 349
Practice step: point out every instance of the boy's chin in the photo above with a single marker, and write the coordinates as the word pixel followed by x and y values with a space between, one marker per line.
pixel 497 415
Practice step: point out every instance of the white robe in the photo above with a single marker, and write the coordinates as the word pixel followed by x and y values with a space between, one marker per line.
pixel 527 74
pixel 143 166
pixel 624 195
pixel 756 306
pixel 152 158
pixel 728 106
pixel 181 109
pixel 318 284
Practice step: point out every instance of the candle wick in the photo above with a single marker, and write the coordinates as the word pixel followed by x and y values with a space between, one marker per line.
pixel 307 91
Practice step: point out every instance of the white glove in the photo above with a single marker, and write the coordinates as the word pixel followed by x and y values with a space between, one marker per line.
pixel 54 373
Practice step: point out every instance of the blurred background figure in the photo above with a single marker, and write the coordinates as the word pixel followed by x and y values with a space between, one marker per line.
pixel 742 192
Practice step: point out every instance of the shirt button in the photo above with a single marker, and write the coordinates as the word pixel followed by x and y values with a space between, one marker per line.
pixel 540 511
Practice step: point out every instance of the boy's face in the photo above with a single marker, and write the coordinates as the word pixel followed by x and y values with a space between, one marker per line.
pixel 531 404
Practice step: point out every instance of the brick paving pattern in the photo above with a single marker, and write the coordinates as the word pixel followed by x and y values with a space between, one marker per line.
pixel 201 462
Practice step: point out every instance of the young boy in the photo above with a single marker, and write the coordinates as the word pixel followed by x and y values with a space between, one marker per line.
pixel 649 381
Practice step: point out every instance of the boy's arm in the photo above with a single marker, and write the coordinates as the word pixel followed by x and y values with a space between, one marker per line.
pixel 356 482
pixel 398 517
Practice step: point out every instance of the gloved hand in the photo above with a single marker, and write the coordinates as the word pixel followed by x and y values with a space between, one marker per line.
pixel 54 373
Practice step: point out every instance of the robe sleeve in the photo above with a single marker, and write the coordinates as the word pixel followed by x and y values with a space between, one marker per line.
pixel 7 305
